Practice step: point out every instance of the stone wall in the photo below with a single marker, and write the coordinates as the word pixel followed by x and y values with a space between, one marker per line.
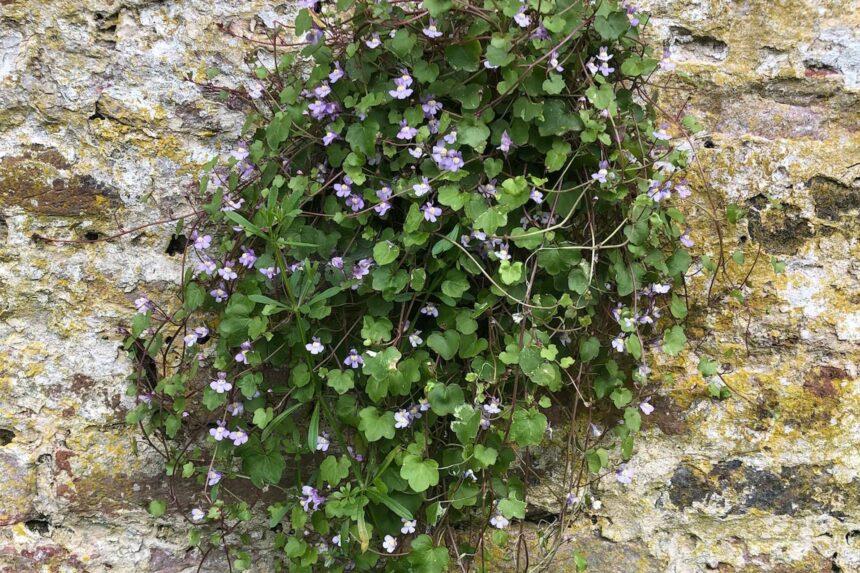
pixel 100 133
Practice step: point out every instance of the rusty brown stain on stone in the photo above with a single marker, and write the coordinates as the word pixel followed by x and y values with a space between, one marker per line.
pixel 820 384
pixel 40 180
pixel 62 457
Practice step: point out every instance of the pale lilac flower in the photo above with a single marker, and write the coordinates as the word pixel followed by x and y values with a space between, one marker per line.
pixel 499 521
pixel 540 33
pixel 190 339
pixel 336 74
pixel 451 138
pixel 423 404
pixel 362 268
pixel 685 238
pixel 406 132
pixel 666 64
pixel 236 409
pixel 646 408
pixel 423 187
pixel 430 106
pixel 390 544
pixel 322 90
pixel 503 253
pixel 336 262
pixel 329 137
pixel 219 433
pixel 248 258
pixel 661 134
pixel 143 305
pixel 408 526
pixel 315 346
pixel 312 497
pixel 203 242
pixel 431 212
pixel 353 359
pixel 624 474
pixel 219 294
pixel 270 272
pixel 239 436
pixel 197 514
pixel 336 540
pixel 405 77
pixel 659 288
pixel 602 172
pixel 242 356
pixel 255 89
pixel 318 109
pixel 416 152
pixel 430 310
pixel 355 202
pixel 401 87
pixel 571 500
pixel 488 189
pixel 682 189
pixel 430 31
pixel 231 203
pixel 373 42
pixel 505 145
pixel 522 20
pixel 323 443
pixel 402 419
pixel 213 477
pixel 632 17
pixel 470 474
pixel 493 406
pixel 206 265
pixel 553 62
pixel 226 272
pixel 618 343
pixel 343 189
pixel 415 339
pixel 536 196
pixel 658 192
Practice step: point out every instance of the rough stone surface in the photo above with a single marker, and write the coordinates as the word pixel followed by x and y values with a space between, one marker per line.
pixel 100 132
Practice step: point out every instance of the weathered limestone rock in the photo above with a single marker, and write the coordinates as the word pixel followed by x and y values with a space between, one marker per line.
pixel 100 132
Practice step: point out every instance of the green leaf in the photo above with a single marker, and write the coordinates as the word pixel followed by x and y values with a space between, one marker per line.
pixel 464 55
pixel 375 426
pixel 512 508
pixel 437 7
pixel 333 470
pixel 314 428
pixel 634 346
pixel 262 462
pixel 444 343
pixel 473 133
pixel 678 307
pixel 557 156
pixel 341 381
pixel 528 427
pixel 157 507
pixel 424 558
pixel 589 348
pixel 596 460
pixel 511 273
pixel 385 252
pixel 632 419
pixel 421 474
pixel 485 456
pixel 194 296
pixel 708 367
pixel 674 340
pixel 444 399
pixel 613 26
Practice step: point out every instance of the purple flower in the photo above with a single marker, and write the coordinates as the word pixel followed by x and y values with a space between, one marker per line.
pixel 206 265
pixel 536 196
pixel 315 346
pixel 553 62
pixel 661 134
pixel 355 202
pixel 248 258
pixel 666 64
pixel 336 74
pixel 354 359
pixel 213 476
pixel 431 211
pixel 329 137
pixel 624 474
pixel 203 242
pixel 336 262
pixel 401 89
pixel 311 498
pixel 430 106
pixel 408 526
pixel 219 433
pixel 499 521
pixel 236 408
pixel 389 544
pixel 270 272
pixel 143 305
pixel 658 192
pixel 362 268
pixel 318 109
pixel 226 272
pixel 618 343
pixel 631 16
pixel 522 20
pixel 416 152
pixel 503 254
pixel 493 406
pixel 231 203
pixel 540 33
pixel 601 174
pixel 505 145
pixel 451 138
pixel 343 189
pixel 430 31
pixel 373 42
pixel 447 159
pixel 239 436
pixel 415 339
pixel 323 443
pixel 402 419
pixel 685 238
pixel 423 187
pixel 406 132
pixel 219 294
pixel 646 408
pixel 322 90
pixel 242 356
pixel 430 310
pixel 254 89
pixel 682 189
pixel 220 384
pixel 197 514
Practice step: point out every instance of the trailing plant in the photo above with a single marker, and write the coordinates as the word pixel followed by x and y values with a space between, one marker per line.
pixel 452 223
